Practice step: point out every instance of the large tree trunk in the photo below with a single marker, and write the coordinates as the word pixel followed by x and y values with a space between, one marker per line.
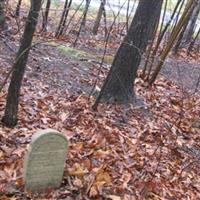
pixel 2 16
pixel 11 110
pixel 118 86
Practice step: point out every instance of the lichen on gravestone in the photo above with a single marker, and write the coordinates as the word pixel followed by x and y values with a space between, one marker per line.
pixel 45 160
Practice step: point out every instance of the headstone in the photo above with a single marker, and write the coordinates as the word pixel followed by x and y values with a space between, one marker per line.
pixel 45 160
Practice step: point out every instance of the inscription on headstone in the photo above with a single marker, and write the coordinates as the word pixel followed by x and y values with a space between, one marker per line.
pixel 45 160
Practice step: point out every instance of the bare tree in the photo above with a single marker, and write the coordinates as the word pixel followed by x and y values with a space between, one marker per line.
pixel 193 41
pixel 151 57
pixel 12 101
pixel 180 40
pixel 99 16
pixel 63 18
pixel 174 35
pixel 45 16
pixel 83 21
pixel 189 32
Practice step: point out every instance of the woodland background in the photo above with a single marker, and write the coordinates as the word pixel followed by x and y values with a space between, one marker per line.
pixel 120 79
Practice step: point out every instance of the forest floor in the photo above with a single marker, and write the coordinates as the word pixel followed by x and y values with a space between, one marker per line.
pixel 145 151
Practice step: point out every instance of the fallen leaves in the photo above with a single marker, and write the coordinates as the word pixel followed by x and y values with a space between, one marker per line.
pixel 77 170
pixel 116 153
pixel 114 197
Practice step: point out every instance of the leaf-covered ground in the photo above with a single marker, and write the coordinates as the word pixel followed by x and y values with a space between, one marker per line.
pixel 147 151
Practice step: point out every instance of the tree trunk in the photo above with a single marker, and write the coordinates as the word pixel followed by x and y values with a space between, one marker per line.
pixel 2 16
pixel 11 110
pixel 119 83
pixel 18 8
pixel 180 40
pixel 150 62
pixel 175 33
pixel 45 17
pixel 98 18
pixel 62 19
pixel 188 35
pixel 87 5
pixel 191 45
pixel 65 18
pixel 127 15
pixel 83 22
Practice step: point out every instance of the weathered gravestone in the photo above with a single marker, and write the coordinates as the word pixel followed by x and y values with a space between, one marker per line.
pixel 45 160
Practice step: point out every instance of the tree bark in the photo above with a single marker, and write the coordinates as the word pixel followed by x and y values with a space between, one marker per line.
pixel 63 18
pixel 152 57
pixel 175 33
pixel 83 22
pixel 193 42
pixel 118 86
pixel 98 18
pixel 45 17
pixel 17 11
pixel 181 38
pixel 188 35
pixel 11 110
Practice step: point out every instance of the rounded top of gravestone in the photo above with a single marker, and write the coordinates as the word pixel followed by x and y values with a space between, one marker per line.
pixel 47 137
pixel 46 132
